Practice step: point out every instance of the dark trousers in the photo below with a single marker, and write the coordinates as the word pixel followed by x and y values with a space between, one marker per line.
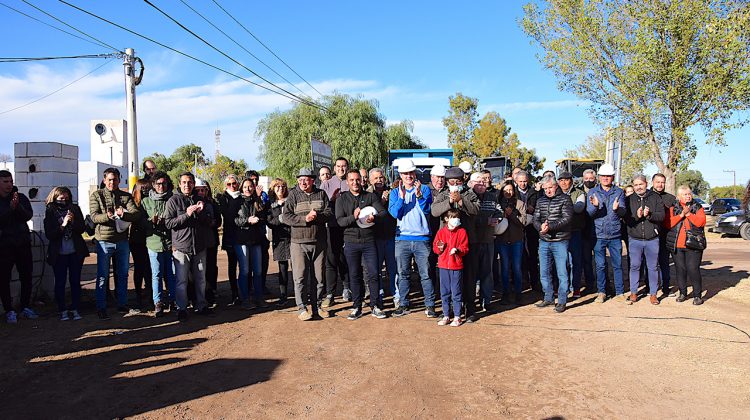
pixel 141 270
pixel 664 263
pixel 212 274
pixel 283 278
pixel 469 282
pixel 530 262
pixel 450 291
pixel 688 265
pixel 232 271
pixel 20 256
pixel 67 268
pixel 336 268
pixel 587 245
pixel 265 260
pixel 359 255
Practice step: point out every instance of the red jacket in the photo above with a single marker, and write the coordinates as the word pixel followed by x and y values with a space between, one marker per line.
pixel 456 238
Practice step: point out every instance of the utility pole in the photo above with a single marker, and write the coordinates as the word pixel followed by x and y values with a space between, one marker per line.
pixel 217 140
pixel 734 181
pixel 131 81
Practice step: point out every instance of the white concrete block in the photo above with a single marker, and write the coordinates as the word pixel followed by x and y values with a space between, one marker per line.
pixel 51 179
pixel 37 223
pixel 44 149
pixel 41 192
pixel 69 151
pixel 47 164
pixel 38 207
pixel 21 179
pixel 19 149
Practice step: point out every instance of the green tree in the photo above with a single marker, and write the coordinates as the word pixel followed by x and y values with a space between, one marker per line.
pixel 634 159
pixel 353 128
pixel 660 67
pixel 730 191
pixel 493 137
pixel 461 124
pixel 694 180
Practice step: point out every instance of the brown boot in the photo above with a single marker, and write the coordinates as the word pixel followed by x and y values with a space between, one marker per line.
pixel 633 298
pixel 654 300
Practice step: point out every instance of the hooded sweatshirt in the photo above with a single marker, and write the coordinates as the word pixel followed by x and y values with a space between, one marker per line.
pixel 411 213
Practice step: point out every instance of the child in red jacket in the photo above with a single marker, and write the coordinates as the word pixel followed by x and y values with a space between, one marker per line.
pixel 451 244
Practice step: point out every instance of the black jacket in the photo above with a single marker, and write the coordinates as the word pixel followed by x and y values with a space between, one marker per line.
pixel 13 228
pixel 54 233
pixel 558 212
pixel 189 233
pixel 669 201
pixel 345 206
pixel 644 228
pixel 228 207
pixel 251 234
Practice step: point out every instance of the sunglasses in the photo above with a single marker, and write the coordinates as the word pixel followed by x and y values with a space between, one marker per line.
pixel 229 184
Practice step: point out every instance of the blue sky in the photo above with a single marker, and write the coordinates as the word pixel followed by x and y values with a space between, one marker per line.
pixel 410 56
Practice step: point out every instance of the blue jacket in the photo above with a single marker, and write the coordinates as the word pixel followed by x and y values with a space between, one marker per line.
pixel 607 223
pixel 411 214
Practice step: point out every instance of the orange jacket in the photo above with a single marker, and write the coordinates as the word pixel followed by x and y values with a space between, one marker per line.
pixel 697 219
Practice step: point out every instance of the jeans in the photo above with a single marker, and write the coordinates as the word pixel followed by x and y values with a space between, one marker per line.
pixel 615 253
pixel 512 255
pixel 636 250
pixel 575 248
pixel 688 265
pixel 450 291
pixel 247 256
pixel 68 268
pixel 185 265
pixel 386 249
pixel 309 258
pixel 558 252
pixel 121 253
pixel 359 255
pixel 162 267
pixel 420 250
pixel 21 257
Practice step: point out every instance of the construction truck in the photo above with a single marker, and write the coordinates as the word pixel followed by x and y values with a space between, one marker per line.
pixel 577 166
pixel 424 160
pixel 498 167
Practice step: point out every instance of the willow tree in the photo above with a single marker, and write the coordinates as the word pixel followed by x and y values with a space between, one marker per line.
pixel 662 67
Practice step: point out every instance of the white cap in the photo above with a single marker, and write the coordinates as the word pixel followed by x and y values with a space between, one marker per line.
pixel 200 183
pixel 406 165
pixel 438 170
pixel 476 176
pixel 465 166
pixel 606 169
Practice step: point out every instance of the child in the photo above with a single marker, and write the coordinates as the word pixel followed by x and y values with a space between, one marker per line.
pixel 451 244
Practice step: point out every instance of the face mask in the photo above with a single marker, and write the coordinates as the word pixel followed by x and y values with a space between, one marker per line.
pixel 61 203
pixel 454 221
pixel 455 188
pixel 589 184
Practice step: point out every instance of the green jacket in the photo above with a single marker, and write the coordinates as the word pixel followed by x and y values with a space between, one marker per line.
pixel 579 199
pixel 159 238
pixel 103 199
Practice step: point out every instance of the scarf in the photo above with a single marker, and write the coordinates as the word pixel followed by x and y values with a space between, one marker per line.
pixel 233 194
pixel 159 196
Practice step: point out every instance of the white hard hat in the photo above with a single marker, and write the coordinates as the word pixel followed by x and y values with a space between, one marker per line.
pixel 476 176
pixel 200 183
pixel 465 166
pixel 438 170
pixel 606 169
pixel 406 165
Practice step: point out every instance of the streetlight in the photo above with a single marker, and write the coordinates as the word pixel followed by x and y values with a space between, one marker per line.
pixel 734 181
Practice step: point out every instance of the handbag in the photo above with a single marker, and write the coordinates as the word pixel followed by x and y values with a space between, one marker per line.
pixel 695 237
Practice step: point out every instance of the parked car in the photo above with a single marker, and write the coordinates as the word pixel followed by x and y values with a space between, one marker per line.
pixel 724 205
pixel 734 223
pixel 703 204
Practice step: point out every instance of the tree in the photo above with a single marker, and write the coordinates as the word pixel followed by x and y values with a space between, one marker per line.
pixel 694 180
pixel 461 124
pixel 184 159
pixel 353 128
pixel 659 67
pixel 634 159
pixel 730 191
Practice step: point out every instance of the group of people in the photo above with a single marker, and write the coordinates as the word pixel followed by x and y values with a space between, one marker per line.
pixel 351 230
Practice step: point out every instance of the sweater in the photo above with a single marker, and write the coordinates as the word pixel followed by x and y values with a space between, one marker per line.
pixel 456 238
pixel 411 213
pixel 296 207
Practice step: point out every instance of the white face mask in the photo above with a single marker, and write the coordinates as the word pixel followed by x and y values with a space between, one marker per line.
pixel 455 222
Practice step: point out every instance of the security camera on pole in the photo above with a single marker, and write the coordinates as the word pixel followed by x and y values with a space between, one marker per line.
pixel 131 81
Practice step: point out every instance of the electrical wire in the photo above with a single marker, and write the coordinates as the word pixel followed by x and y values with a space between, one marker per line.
pixel 55 91
pixel 302 100
pixel 182 53
pixel 73 27
pixel 241 46
pixel 265 46
pixel 22 59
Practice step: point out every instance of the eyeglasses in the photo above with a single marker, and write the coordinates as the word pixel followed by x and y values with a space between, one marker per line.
pixel 160 183
pixel 229 184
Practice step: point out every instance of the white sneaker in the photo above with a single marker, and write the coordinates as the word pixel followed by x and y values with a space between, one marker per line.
pixel 456 322
pixel 10 316
pixel 64 316
pixel 76 315
pixel 444 321
pixel 29 313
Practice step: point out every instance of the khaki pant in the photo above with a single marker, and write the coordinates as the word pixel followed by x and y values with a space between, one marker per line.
pixel 308 258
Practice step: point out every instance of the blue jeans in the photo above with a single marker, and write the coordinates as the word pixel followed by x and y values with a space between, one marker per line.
pixel 68 268
pixel 558 252
pixel 247 256
pixel 512 255
pixel 386 249
pixel 615 253
pixel 121 253
pixel 636 250
pixel 420 250
pixel 162 267
pixel 575 248
pixel 450 291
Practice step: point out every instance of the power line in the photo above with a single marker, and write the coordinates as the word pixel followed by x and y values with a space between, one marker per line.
pixel 303 100
pixel 265 46
pixel 73 28
pixel 53 26
pixel 241 46
pixel 55 91
pixel 182 53
pixel 21 59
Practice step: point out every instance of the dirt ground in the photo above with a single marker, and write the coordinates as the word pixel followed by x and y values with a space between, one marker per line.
pixel 593 361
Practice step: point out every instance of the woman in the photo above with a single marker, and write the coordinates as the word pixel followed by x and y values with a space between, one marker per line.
pixel 510 243
pixel 251 232
pixel 228 203
pixel 212 269
pixel 137 242
pixel 281 235
pixel 685 214
pixel 159 242
pixel 63 226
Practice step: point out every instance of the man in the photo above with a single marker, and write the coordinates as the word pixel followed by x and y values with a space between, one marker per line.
pixel 202 193
pixel 307 211
pixel 149 169
pixel 364 176
pixel 437 185
pixel 575 249
pixel 359 242
pixel 659 182
pixel 463 199
pixel 482 249
pixel 112 210
pixel 190 220
pixel 228 203
pixel 336 268
pixel 385 232
pixel 606 207
pixel 410 205
pixel 552 218
pixel 466 168
pixel 587 235
pixel 15 246
pixel 644 217
pixel 487 179
pixel 530 262
pixel 324 174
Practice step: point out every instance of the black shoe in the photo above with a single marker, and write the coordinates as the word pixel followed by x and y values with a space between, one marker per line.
pixel 102 314
pixel 472 319
pixel 544 304
pixel 205 311
pixel 517 298
pixel 430 312
pixel 401 311
pixel 159 310
pixel 355 314
pixel 282 303
pixel 559 308
pixel 681 298
pixel 505 301
pixel 236 301
pixel 697 301
pixel 122 309
pixel 182 315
